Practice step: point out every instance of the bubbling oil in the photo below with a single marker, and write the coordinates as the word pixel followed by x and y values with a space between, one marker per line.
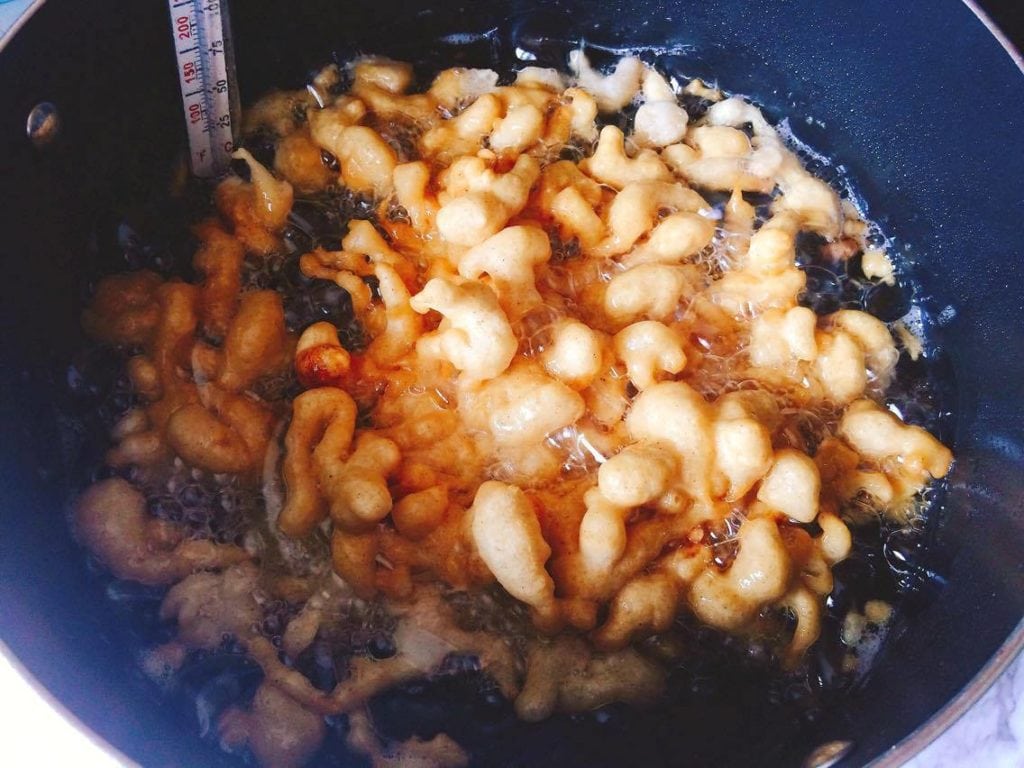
pixel 718 683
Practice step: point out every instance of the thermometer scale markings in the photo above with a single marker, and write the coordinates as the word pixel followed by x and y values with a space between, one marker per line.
pixel 203 53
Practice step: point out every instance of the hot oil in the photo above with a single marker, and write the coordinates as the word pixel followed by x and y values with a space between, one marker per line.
pixel 724 692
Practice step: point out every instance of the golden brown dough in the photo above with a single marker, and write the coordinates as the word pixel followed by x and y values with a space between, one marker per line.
pixel 581 387
pixel 111 520
pixel 256 343
pixel 219 261
pixel 278 730
pixel 226 432
pixel 298 159
pixel 322 419
pixel 123 310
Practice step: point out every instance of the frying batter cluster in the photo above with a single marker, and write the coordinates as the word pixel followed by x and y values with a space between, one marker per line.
pixel 587 379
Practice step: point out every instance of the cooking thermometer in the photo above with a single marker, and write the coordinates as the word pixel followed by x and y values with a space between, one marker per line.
pixel 206 72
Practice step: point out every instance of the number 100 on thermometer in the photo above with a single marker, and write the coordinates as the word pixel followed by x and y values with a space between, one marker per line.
pixel 202 45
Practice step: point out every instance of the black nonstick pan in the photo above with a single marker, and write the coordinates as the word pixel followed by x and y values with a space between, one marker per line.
pixel 922 105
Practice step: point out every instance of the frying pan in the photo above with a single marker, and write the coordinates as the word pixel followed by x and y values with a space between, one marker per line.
pixel 923 107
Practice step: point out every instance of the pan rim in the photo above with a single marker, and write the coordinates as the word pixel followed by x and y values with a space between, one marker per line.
pixel 926 733
pixel 58 708
pixel 26 14
pixel 1011 50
